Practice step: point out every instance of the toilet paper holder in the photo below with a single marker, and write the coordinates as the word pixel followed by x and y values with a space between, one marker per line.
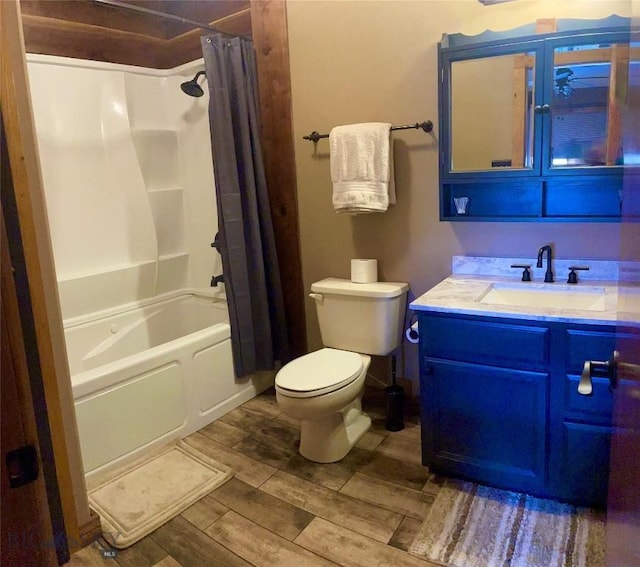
pixel 412 332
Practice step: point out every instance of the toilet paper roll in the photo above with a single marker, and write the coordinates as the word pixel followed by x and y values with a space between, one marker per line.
pixel 412 334
pixel 364 271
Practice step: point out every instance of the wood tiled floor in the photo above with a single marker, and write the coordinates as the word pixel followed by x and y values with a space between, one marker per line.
pixel 281 510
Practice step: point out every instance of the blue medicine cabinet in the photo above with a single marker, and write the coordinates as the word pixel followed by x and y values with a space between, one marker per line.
pixel 533 126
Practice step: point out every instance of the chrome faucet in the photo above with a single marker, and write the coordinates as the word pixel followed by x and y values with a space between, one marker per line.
pixel 548 275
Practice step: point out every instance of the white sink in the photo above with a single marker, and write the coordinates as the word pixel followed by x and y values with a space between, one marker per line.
pixel 552 296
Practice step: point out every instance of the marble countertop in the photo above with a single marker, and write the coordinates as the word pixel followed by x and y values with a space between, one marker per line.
pixel 474 278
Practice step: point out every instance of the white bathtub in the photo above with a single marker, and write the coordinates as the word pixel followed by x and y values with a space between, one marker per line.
pixel 149 375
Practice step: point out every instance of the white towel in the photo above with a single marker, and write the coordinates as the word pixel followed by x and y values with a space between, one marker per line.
pixel 361 168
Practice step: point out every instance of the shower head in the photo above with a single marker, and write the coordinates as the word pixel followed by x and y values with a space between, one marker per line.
pixel 192 88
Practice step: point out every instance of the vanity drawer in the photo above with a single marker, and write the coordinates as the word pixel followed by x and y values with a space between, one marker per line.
pixel 484 341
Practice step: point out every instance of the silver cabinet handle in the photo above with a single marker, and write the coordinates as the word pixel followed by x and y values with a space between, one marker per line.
pixel 591 368
pixel 585 386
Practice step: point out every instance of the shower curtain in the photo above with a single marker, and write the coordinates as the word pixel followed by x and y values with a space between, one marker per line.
pixel 249 260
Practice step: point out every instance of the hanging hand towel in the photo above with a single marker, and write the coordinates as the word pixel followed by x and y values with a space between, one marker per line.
pixel 361 167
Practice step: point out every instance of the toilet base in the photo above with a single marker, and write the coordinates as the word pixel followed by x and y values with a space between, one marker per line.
pixel 332 423
pixel 329 438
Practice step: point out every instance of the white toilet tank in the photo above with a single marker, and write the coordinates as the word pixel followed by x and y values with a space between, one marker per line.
pixel 361 317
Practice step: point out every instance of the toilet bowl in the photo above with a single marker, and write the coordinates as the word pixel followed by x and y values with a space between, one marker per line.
pixel 323 390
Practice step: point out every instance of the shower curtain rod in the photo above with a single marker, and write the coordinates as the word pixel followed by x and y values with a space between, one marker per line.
pixel 132 7
pixel 424 126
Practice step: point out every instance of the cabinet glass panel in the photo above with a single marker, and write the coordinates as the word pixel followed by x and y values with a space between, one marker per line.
pixel 590 86
pixel 492 112
pixel 631 117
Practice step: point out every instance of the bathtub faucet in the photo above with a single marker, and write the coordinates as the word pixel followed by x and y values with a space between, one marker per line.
pixel 215 280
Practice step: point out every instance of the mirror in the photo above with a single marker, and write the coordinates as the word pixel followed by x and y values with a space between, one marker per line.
pixel 491 112
pixel 590 87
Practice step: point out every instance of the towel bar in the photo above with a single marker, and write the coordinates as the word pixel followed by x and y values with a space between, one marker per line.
pixel 425 126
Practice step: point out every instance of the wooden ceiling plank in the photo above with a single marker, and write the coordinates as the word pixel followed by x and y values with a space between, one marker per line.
pixel 112 17
pixel 186 47
pixel 94 14
pixel 83 41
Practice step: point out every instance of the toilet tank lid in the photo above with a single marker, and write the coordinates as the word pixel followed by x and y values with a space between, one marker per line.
pixel 339 286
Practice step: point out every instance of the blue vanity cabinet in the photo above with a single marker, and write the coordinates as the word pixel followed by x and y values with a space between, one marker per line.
pixel 500 404
pixel 530 124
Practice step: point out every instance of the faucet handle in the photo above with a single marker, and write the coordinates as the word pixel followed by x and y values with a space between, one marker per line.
pixel 526 274
pixel 573 277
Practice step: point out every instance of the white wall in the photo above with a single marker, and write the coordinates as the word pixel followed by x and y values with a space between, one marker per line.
pixel 128 177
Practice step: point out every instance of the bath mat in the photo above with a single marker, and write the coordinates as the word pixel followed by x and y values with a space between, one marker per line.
pixel 470 525
pixel 141 499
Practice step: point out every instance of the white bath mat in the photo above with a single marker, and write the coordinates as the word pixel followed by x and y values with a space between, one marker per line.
pixel 141 499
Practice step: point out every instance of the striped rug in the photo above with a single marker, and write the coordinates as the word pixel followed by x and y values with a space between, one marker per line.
pixel 470 525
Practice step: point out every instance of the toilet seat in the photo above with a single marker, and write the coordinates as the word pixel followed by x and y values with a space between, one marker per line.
pixel 319 372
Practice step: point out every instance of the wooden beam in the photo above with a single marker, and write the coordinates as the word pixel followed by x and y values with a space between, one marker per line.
pixel 600 55
pixel 81 40
pixel 186 47
pixel 546 25
pixel 98 15
pixel 524 61
pixel 84 41
pixel 269 25
pixel 521 64
pixel 618 83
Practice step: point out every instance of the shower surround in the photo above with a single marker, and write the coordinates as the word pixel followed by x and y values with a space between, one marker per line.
pixel 129 186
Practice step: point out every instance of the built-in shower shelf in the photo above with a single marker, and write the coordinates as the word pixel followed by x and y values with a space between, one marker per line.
pixel 166 190
pixel 155 131
pixel 175 256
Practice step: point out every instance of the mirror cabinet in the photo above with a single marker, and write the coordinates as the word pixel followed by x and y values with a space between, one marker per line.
pixel 533 126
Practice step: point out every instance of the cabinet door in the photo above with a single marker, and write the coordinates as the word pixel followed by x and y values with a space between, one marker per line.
pixel 485 423
pixel 488 99
pixel 587 80
pixel 581 473
pixel 580 431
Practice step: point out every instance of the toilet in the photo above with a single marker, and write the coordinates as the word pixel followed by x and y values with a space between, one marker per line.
pixel 323 389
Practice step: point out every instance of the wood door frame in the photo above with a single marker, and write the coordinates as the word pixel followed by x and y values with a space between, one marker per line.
pixel 25 510
pixel 33 238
